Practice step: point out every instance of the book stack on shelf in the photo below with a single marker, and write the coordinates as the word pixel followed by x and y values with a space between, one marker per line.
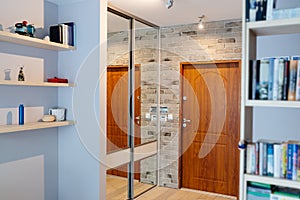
pixel 276 78
pixel 257 10
pixel 63 33
pixel 274 159
pixel 261 191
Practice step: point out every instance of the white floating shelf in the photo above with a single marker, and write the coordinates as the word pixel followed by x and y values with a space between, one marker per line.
pixel 275 27
pixel 272 181
pixel 41 84
pixel 33 42
pixel 33 126
pixel 270 103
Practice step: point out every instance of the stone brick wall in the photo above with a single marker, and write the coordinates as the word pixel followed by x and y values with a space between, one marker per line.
pixel 220 40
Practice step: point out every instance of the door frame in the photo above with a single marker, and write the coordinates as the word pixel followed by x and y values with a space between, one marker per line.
pixel 182 64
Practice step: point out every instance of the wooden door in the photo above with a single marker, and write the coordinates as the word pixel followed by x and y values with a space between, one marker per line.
pixel 117 112
pixel 211 101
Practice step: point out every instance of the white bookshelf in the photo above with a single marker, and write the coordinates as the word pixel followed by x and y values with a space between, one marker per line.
pixel 251 32
pixel 33 42
pixel 36 84
pixel 33 126
pixel 275 104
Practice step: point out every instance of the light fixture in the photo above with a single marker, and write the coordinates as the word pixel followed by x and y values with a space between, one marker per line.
pixel 169 4
pixel 201 22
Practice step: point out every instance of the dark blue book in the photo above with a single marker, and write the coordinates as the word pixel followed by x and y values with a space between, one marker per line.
pixel 289 164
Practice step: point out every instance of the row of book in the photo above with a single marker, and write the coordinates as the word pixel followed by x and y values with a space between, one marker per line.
pixel 260 191
pixel 257 10
pixel 63 33
pixel 276 78
pixel 274 159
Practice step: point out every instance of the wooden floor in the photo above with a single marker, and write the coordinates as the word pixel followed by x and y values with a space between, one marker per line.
pixel 162 193
pixel 116 189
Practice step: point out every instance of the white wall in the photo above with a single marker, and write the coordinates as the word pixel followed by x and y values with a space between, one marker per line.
pixel 79 146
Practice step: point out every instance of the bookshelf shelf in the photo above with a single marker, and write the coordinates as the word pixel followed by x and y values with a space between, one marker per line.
pixel 37 84
pixel 274 27
pixel 33 126
pixel 272 181
pixel 279 104
pixel 33 42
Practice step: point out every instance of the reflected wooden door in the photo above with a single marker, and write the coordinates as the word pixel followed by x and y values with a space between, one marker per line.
pixel 210 131
pixel 117 113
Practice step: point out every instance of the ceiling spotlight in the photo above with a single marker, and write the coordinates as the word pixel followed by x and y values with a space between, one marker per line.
pixel 201 22
pixel 169 4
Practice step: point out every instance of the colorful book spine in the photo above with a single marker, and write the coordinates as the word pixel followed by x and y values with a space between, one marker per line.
pixel 270 159
pixel 283 164
pixel 294 161
pixel 289 170
pixel 298 82
pixel 261 158
pixel 293 79
pixel 265 172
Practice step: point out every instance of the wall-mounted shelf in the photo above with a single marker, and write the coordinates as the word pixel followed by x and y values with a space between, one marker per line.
pixel 274 27
pixel 33 126
pixel 33 42
pixel 38 84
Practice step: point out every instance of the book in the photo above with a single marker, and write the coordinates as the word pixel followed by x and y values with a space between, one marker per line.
pixel 257 158
pixel 264 79
pixel 56 34
pixel 250 165
pixel 286 80
pixel 280 78
pixel 277 160
pixel 65 33
pixel 292 159
pixel 252 10
pixel 247 10
pixel 259 10
pixel 264 5
pixel 283 160
pixel 254 79
pixel 261 158
pixel 270 159
pixel 269 10
pixel 297 96
pixel 275 79
pixel 259 191
pixel 293 78
pixel 271 78
pixel 71 33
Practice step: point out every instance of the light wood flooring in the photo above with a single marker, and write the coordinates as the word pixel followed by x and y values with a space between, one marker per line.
pixel 116 189
pixel 162 193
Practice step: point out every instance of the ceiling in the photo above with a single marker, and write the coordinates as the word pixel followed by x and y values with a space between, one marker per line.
pixel 182 12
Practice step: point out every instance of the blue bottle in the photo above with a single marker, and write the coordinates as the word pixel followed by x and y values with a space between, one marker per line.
pixel 21 114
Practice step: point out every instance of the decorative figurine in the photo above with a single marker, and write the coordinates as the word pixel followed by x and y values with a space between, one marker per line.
pixel 24 28
pixel 7 74
pixel 21 76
